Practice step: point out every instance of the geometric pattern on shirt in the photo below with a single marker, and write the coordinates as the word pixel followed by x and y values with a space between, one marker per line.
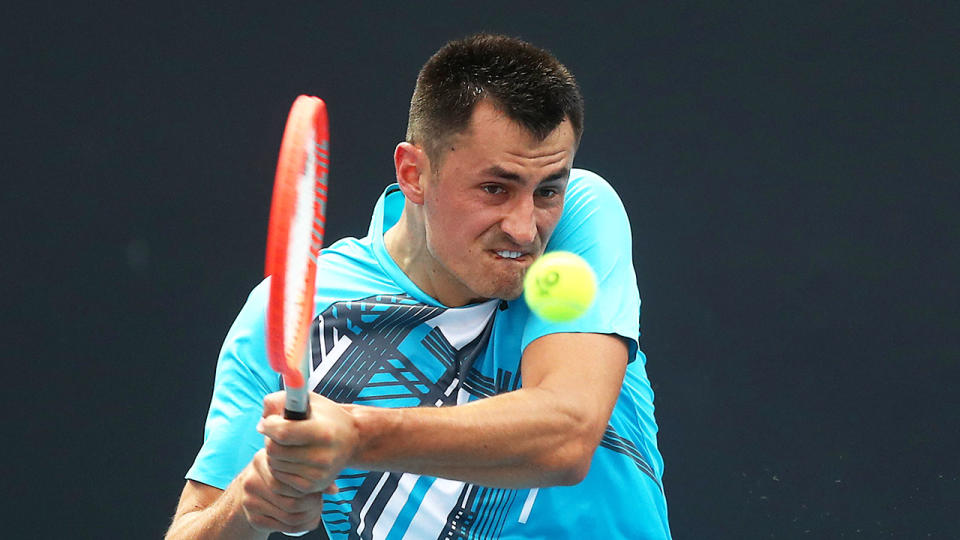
pixel 394 351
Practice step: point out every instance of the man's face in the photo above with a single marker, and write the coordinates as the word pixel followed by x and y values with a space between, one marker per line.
pixel 492 205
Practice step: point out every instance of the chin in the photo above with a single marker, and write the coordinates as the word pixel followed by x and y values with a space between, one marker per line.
pixel 510 292
pixel 509 296
pixel 503 287
pixel 489 291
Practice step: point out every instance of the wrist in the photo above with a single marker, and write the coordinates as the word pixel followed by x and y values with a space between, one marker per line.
pixel 373 425
pixel 233 501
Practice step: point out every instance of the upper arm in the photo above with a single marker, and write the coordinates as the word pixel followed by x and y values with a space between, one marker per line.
pixel 586 358
pixel 580 374
pixel 582 362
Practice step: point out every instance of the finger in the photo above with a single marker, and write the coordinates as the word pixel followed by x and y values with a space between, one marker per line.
pixel 265 516
pixel 268 511
pixel 274 403
pixel 303 485
pixel 257 518
pixel 315 431
pixel 305 500
pixel 281 458
pixel 277 429
pixel 299 483
pixel 268 486
pixel 315 455
pixel 286 432
pixel 302 477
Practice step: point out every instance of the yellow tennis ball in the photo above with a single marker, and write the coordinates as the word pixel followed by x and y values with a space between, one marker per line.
pixel 559 286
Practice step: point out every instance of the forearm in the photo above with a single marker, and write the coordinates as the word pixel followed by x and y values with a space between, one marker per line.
pixel 543 434
pixel 527 438
pixel 222 519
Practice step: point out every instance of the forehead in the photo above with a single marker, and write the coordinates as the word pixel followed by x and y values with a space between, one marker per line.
pixel 491 135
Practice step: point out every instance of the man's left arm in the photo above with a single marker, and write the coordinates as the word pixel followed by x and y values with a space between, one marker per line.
pixel 542 434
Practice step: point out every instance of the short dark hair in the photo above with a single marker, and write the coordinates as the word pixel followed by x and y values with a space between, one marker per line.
pixel 527 83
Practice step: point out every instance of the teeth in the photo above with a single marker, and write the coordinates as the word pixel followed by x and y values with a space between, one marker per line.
pixel 509 254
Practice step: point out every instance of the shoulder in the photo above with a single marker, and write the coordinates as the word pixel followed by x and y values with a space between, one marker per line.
pixel 350 269
pixel 584 183
pixel 592 209
pixel 588 196
pixel 345 257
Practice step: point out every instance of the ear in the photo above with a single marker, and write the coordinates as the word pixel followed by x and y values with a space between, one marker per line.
pixel 412 165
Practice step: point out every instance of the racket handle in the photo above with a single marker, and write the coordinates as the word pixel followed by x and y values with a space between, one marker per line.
pixel 297 406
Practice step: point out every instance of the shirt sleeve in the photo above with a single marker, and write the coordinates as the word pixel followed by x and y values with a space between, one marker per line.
pixel 243 379
pixel 595 226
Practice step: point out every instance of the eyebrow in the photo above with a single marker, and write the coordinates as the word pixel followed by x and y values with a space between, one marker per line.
pixel 504 174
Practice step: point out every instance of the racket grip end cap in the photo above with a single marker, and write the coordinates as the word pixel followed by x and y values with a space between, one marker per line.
pixel 296 415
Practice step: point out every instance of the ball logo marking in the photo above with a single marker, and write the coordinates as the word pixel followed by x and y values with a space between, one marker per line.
pixel 560 286
pixel 546 282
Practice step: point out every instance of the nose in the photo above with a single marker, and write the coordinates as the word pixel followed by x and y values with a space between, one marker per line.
pixel 520 221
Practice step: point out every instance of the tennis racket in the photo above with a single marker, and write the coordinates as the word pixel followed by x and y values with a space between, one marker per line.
pixel 295 236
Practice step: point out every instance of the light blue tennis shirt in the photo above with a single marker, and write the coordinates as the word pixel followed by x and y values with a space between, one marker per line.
pixel 379 340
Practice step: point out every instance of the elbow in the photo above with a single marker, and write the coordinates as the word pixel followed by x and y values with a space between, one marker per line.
pixel 569 464
pixel 576 470
pixel 571 476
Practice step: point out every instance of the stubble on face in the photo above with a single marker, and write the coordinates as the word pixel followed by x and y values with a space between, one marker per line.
pixel 464 230
pixel 478 278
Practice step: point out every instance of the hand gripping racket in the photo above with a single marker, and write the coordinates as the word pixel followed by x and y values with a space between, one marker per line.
pixel 297 220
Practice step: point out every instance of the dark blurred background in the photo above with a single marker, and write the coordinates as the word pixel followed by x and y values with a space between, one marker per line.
pixel 789 168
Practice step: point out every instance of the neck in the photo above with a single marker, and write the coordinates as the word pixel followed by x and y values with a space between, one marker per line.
pixel 406 243
pixel 404 246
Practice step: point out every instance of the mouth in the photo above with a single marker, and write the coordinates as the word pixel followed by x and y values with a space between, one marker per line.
pixel 523 258
pixel 506 254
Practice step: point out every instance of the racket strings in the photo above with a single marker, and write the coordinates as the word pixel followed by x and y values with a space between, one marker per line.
pixel 306 238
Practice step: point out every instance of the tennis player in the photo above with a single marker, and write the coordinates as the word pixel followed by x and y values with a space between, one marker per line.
pixel 442 408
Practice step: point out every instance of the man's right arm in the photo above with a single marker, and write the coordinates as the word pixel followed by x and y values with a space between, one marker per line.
pixel 251 507
pixel 208 512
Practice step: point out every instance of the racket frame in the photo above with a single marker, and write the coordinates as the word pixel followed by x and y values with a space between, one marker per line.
pixel 304 151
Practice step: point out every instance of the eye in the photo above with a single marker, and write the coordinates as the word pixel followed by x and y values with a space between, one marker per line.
pixel 493 189
pixel 548 192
